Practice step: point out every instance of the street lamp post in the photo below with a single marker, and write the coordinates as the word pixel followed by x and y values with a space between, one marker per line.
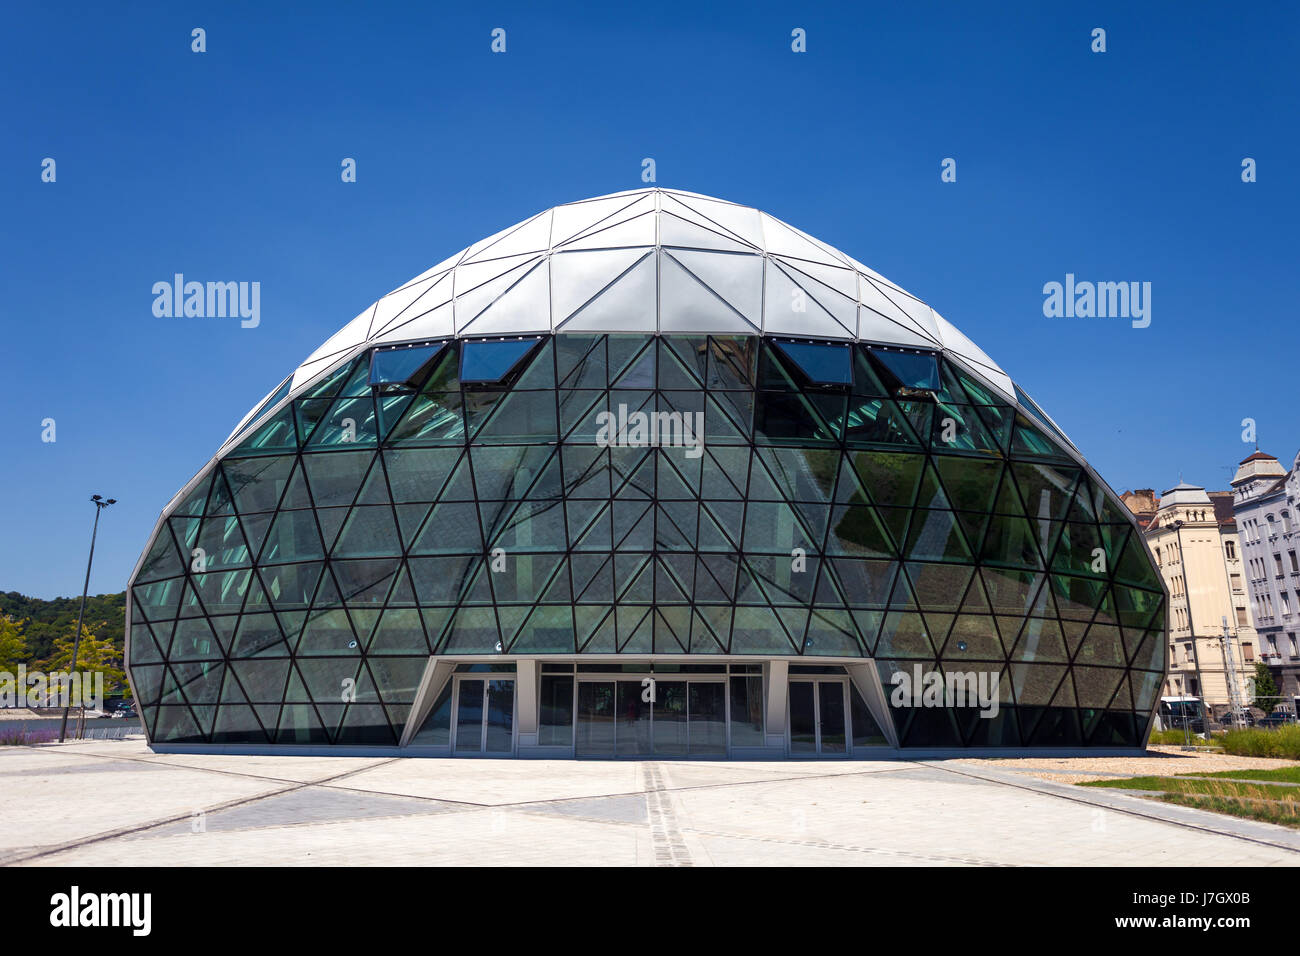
pixel 100 504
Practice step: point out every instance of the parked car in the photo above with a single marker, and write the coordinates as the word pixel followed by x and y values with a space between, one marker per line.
pixel 1185 714
pixel 1277 719
pixel 1244 718
pixel 125 709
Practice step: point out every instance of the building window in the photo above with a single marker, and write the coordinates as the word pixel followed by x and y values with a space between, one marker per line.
pixel 1291 638
pixel 1248 651
pixel 1295 567
pixel 1236 582
pixel 1241 617
pixel 1277 561
pixel 1230 548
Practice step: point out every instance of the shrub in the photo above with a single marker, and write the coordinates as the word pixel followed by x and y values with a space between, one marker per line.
pixel 1282 742
pixel 19 736
pixel 1172 737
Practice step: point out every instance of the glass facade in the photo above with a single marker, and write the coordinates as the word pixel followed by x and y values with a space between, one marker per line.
pixel 637 495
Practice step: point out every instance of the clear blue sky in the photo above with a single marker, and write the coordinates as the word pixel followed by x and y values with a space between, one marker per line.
pixel 225 165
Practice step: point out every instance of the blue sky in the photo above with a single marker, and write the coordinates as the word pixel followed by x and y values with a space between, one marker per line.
pixel 1122 166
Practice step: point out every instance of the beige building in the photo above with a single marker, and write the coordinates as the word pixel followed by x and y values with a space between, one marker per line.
pixel 1193 536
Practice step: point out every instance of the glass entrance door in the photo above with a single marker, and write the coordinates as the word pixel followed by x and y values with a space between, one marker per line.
pixel 681 718
pixel 817 717
pixel 485 715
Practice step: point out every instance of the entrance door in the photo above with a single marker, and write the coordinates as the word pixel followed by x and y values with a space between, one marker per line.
pixel 595 737
pixel 817 717
pixel 685 718
pixel 485 715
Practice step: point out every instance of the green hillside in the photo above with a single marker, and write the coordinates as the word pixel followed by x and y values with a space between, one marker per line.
pixel 48 621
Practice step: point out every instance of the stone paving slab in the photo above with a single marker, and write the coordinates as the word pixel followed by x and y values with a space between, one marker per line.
pixel 116 803
pixel 483 782
pixel 296 807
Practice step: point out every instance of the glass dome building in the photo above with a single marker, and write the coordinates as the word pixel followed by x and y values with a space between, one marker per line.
pixel 651 473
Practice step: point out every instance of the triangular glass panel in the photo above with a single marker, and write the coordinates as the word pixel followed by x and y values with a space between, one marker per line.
pixel 904 635
pixel 703 640
pixel 1039 640
pixel 935 536
pixel 940 587
pixel 890 478
pixel 635 629
pixel 274 437
pixel 999 420
pixel 831 633
pixel 599 625
pixel 973 637
pixel 1031 440
pixel 196 500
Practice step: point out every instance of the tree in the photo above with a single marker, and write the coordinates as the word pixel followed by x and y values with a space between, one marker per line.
pixel 95 655
pixel 43 622
pixel 1266 693
pixel 13 645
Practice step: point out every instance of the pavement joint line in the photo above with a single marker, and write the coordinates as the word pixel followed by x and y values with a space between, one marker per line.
pixel 1048 788
pixel 669 848
pixel 119 832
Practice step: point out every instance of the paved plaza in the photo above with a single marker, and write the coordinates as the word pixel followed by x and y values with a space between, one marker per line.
pixel 116 803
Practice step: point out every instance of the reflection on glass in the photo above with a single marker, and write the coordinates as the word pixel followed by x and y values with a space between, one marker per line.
pixel 747 712
pixel 803 718
pixel 670 717
pixel 555 726
pixel 491 361
pixel 866 732
pixel 824 364
pixel 595 728
pixel 398 365
pixel 633 719
pixel 469 717
pixel 911 370
pixel 436 729
pixel 500 716
pixel 831 701
pixel 708 718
